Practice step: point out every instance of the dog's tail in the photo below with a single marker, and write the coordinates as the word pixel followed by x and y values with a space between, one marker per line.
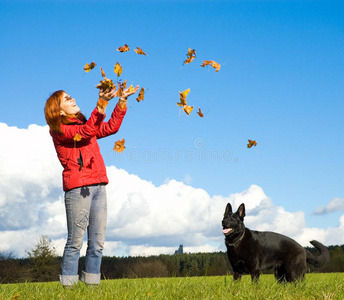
pixel 318 260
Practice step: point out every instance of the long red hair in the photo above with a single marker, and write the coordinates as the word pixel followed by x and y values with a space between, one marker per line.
pixel 52 112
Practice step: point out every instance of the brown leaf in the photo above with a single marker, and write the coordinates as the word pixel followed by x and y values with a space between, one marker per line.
pixel 191 55
pixel 106 84
pixel 89 67
pixel 121 88
pixel 251 143
pixel 141 95
pixel 200 113
pixel 124 48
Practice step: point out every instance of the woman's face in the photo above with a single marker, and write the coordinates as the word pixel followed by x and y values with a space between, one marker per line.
pixel 68 105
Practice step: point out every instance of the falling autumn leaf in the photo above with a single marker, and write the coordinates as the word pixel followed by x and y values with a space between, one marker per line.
pixel 184 93
pixel 182 97
pixel 200 113
pixel 131 89
pixel 139 51
pixel 103 73
pixel 189 60
pixel 119 146
pixel 89 67
pixel 251 143
pixel 191 55
pixel 106 84
pixel 121 88
pixel 187 109
pixel 212 63
pixel 191 52
pixel 141 95
pixel 216 66
pixel 77 137
pixel 118 69
pixel 206 63
pixel 182 102
pixel 124 48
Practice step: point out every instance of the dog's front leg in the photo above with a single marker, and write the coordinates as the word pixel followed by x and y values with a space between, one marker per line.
pixel 236 275
pixel 255 276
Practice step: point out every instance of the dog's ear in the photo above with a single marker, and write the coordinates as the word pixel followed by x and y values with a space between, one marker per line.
pixel 241 211
pixel 228 209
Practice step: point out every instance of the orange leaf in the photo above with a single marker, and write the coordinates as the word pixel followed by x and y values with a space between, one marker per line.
pixel 184 93
pixel 106 84
pixel 200 113
pixel 77 137
pixel 89 67
pixel 139 51
pixel 206 63
pixel 124 48
pixel 121 88
pixel 182 97
pixel 183 102
pixel 188 60
pixel 191 55
pixel 118 69
pixel 119 146
pixel 103 73
pixel 216 66
pixel 212 63
pixel 251 143
pixel 188 109
pixel 191 52
pixel 141 95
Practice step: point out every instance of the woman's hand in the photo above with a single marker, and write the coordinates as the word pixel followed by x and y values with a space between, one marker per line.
pixel 122 103
pixel 126 93
pixel 107 94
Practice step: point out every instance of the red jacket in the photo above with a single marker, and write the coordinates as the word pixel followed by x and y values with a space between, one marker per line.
pixel 81 160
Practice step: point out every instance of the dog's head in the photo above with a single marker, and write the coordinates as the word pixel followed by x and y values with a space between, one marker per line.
pixel 233 223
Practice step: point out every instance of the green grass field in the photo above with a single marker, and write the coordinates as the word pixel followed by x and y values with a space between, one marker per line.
pixel 315 286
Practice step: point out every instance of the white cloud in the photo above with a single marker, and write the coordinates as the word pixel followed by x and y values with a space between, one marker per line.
pixel 143 219
pixel 336 204
pixel 187 179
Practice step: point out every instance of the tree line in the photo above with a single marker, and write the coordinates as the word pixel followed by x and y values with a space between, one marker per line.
pixel 42 265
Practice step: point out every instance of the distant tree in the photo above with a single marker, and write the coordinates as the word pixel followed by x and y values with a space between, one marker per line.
pixel 44 261
pixel 11 269
pixel 219 264
pixel 336 263
pixel 149 268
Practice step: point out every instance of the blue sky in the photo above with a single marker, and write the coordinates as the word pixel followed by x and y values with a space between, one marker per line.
pixel 280 83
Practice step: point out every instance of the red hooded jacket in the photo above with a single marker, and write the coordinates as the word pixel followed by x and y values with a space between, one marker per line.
pixel 81 160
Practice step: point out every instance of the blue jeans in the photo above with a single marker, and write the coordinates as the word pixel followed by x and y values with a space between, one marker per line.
pixel 86 209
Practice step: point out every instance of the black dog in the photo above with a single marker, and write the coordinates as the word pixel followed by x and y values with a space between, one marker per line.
pixel 250 252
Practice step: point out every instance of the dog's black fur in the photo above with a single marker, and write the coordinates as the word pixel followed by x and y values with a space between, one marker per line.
pixel 251 252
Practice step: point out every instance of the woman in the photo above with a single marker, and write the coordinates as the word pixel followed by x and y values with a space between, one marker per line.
pixel 84 176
